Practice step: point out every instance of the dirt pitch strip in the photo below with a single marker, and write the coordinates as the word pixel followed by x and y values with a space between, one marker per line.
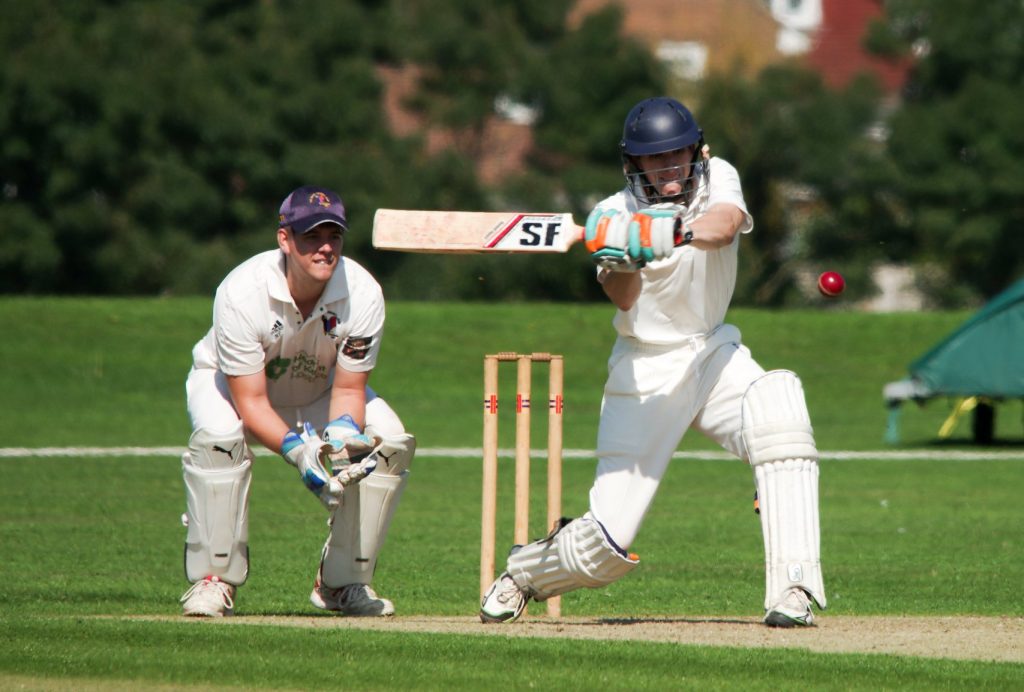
pixel 965 638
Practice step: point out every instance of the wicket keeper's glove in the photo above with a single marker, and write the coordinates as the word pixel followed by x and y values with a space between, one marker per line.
pixel 307 453
pixel 352 451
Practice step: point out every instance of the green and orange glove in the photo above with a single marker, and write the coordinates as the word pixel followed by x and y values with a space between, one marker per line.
pixel 620 241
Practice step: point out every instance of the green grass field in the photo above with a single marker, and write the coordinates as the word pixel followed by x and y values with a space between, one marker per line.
pixel 91 569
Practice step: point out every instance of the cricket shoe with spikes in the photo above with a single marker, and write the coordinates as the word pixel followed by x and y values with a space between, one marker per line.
pixel 357 600
pixel 794 610
pixel 209 597
pixel 503 602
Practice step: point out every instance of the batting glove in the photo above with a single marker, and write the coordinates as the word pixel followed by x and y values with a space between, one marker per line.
pixel 607 233
pixel 658 230
pixel 307 453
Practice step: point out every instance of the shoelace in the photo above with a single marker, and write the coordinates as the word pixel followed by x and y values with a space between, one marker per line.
pixel 796 600
pixel 509 593
pixel 222 589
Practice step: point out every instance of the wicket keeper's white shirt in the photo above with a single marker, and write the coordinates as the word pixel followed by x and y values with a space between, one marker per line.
pixel 686 294
pixel 256 326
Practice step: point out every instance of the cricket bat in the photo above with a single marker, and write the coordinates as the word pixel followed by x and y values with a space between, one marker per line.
pixel 473 231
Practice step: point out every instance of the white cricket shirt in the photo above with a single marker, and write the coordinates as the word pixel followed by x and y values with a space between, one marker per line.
pixel 686 294
pixel 256 326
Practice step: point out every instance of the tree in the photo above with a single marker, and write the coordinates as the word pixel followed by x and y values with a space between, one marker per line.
pixel 147 145
pixel 795 144
pixel 957 147
pixel 581 81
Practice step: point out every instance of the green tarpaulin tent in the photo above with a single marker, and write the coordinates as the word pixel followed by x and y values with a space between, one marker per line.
pixel 984 358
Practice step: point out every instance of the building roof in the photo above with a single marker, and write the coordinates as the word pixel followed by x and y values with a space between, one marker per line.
pixel 734 31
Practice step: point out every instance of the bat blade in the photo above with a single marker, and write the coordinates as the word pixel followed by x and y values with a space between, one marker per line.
pixel 408 230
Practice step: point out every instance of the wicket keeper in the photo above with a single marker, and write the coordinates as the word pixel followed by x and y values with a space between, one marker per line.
pixel 296 333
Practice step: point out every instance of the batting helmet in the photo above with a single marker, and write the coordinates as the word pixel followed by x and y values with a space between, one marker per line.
pixel 655 126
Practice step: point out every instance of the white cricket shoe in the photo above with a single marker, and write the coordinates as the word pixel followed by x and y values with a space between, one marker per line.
pixel 209 597
pixel 358 600
pixel 503 602
pixel 794 610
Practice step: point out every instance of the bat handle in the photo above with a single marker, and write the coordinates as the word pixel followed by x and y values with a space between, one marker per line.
pixel 680 236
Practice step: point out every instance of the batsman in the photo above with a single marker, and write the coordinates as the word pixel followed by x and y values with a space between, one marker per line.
pixel 296 333
pixel 666 250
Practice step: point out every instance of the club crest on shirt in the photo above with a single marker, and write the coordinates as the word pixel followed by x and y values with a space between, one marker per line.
pixel 331 322
pixel 356 347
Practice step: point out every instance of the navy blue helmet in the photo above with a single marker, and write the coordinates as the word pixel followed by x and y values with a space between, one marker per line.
pixel 655 126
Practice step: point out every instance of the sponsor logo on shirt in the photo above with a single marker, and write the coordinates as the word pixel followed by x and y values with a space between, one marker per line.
pixel 276 330
pixel 306 367
pixel 356 347
pixel 302 367
pixel 277 367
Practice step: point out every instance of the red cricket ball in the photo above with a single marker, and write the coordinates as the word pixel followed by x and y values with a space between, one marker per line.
pixel 831 284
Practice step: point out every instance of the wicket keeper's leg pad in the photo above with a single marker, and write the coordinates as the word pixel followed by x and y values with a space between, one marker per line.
pixel 217 517
pixel 360 525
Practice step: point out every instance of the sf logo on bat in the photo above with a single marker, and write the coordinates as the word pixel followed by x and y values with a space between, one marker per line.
pixel 525 232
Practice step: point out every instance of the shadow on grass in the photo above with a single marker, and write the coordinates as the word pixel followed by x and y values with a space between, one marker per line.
pixel 673 621
pixel 966 444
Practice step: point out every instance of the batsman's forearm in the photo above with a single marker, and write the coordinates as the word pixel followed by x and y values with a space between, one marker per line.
pixel 622 288
pixel 717 228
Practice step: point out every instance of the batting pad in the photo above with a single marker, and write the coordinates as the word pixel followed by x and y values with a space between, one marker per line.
pixel 787 492
pixel 775 423
pixel 578 555
pixel 217 516
pixel 358 529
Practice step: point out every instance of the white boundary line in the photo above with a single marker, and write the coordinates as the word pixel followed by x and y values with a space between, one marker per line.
pixel 473 453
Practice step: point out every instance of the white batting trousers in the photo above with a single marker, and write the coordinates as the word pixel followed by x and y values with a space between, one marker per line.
pixel 653 395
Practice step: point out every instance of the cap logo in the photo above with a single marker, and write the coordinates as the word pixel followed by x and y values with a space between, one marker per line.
pixel 320 198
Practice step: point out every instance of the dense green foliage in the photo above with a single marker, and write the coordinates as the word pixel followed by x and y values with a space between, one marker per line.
pixel 956 148
pixel 145 146
pixel 790 137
